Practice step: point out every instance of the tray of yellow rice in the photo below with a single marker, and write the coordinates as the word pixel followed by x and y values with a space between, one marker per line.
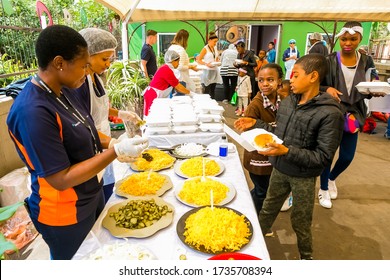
pixel 193 167
pixel 152 159
pixel 137 217
pixel 143 184
pixel 195 192
pixel 214 231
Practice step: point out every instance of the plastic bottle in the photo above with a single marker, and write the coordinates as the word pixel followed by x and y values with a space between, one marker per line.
pixel 223 148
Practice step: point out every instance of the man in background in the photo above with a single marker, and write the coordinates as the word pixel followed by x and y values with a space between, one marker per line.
pixel 317 46
pixel 148 57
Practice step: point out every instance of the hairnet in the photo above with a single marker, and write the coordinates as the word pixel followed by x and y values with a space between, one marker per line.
pixel 170 56
pixel 98 40
pixel 292 41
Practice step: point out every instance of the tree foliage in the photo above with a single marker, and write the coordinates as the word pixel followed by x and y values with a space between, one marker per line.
pixel 23 26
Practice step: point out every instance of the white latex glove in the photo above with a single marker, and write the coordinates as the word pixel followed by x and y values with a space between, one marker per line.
pixel 129 116
pixel 112 142
pixel 132 147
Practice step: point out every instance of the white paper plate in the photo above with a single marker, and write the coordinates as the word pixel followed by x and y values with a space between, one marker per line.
pixel 366 87
pixel 178 165
pixel 229 195
pixel 250 135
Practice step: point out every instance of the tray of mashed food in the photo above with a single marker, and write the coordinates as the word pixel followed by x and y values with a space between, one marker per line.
pixel 137 217
pixel 260 138
pixel 199 166
pixel 198 191
pixel 188 150
pixel 143 184
pixel 121 250
pixel 214 230
pixel 152 159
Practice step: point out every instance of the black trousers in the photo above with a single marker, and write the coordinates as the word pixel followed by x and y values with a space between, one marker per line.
pixel 210 89
pixel 229 86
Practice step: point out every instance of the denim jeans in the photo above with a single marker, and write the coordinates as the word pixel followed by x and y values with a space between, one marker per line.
pixel 346 154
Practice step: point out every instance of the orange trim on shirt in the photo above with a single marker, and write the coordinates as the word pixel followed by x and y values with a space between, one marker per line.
pixel 22 149
pixel 60 126
pixel 57 208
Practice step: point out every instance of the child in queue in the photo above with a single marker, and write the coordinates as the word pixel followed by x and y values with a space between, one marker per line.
pixel 244 90
pixel 263 106
pixel 310 123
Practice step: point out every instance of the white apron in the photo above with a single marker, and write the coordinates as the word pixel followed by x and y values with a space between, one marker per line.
pixel 99 108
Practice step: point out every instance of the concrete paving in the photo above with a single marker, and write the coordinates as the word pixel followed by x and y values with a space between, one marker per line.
pixel 356 228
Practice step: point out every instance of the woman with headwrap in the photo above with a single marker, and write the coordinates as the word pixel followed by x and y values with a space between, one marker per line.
pixel 163 81
pixel 346 68
pixel 101 48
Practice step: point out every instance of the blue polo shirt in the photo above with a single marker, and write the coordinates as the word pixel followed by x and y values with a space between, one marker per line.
pixel 49 139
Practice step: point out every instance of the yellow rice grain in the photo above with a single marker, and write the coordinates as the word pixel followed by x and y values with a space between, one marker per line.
pixel 160 160
pixel 217 230
pixel 139 185
pixel 194 167
pixel 196 192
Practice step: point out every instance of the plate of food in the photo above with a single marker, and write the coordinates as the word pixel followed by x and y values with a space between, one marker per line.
pixel 137 217
pixel 121 250
pixel 193 167
pixel 260 138
pixel 188 150
pixel 216 63
pixel 367 87
pixel 233 257
pixel 196 191
pixel 143 184
pixel 214 230
pixel 152 159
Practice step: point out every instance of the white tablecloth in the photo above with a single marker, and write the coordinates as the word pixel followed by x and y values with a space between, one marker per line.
pixel 165 244
pixel 379 104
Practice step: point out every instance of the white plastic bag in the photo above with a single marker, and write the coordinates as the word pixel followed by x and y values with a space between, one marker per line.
pixel 15 186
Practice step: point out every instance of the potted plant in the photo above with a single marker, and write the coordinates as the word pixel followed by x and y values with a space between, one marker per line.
pixel 125 84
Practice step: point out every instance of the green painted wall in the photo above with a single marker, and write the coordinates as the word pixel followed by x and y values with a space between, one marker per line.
pixel 296 30
pixel 195 41
pixel 299 30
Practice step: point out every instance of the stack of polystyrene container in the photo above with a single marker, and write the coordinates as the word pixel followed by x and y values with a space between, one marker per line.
pixel 159 119
pixel 209 113
pixel 195 77
pixel 184 119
